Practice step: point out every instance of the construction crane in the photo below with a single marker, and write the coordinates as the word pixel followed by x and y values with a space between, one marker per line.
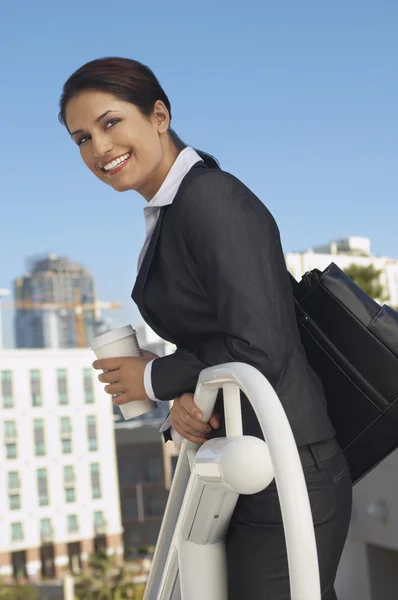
pixel 77 306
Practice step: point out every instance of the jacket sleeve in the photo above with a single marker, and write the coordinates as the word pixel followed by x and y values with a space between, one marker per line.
pixel 235 243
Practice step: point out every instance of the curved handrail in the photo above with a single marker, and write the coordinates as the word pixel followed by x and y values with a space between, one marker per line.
pixel 289 477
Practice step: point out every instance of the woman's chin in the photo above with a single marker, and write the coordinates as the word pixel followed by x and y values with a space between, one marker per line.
pixel 122 187
pixel 123 184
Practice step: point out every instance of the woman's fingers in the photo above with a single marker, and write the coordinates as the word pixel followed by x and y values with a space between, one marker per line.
pixel 188 403
pixel 186 419
pixel 109 376
pixel 114 388
pixel 215 420
pixel 188 423
pixel 183 419
pixel 179 428
pixel 188 415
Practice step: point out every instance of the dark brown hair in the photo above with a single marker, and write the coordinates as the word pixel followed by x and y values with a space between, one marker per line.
pixel 128 80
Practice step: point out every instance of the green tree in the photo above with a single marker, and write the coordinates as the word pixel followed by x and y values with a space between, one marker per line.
pixel 107 580
pixel 18 591
pixel 367 278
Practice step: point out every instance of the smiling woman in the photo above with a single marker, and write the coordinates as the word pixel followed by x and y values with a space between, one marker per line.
pixel 122 124
pixel 212 280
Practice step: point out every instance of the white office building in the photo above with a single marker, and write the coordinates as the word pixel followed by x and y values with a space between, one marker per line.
pixel 344 253
pixel 59 491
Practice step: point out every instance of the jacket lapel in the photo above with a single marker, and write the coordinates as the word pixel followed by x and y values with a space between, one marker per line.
pixel 138 290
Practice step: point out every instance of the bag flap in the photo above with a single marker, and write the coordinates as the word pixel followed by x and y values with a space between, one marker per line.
pixel 349 294
pixel 385 328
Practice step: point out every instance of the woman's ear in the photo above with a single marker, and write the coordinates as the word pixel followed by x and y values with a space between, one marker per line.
pixel 161 116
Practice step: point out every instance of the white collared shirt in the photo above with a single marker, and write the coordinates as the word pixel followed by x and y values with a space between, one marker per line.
pixel 165 196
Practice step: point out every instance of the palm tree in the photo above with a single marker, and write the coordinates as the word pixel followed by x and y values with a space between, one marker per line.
pixel 367 278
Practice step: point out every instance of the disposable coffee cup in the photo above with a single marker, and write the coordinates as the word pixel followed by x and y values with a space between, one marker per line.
pixel 116 344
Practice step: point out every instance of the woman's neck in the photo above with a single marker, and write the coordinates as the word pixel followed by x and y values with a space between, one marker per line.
pixel 169 158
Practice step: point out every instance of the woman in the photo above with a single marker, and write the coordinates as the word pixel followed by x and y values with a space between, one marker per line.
pixel 212 279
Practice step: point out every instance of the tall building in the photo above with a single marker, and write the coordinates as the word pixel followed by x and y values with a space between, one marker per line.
pixel 59 491
pixel 343 253
pixel 54 280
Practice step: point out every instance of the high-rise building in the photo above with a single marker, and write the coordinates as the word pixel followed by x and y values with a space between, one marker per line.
pixel 59 492
pixel 54 280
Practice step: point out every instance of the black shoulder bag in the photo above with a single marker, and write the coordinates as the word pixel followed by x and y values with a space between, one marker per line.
pixel 352 344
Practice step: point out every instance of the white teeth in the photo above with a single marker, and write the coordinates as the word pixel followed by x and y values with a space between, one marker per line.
pixel 116 162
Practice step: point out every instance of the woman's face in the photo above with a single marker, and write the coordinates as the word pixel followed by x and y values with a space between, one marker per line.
pixel 117 142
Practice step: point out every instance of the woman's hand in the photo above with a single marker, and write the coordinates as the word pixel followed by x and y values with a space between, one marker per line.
pixel 186 419
pixel 124 376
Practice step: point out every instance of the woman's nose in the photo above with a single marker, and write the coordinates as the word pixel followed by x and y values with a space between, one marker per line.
pixel 101 146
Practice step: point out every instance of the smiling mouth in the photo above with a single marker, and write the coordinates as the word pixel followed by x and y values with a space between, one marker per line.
pixel 116 164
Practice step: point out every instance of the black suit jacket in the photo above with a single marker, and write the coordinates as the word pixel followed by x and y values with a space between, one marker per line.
pixel 214 282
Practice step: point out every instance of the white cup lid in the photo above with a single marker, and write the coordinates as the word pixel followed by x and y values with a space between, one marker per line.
pixel 112 336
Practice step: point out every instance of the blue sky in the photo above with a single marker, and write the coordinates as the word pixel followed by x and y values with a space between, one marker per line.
pixel 297 99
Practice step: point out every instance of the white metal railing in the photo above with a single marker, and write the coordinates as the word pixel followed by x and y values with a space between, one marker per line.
pixel 189 561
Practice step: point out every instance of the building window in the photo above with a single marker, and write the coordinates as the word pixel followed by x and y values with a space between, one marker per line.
pixel 129 505
pixel 99 522
pixel 46 531
pixel 38 433
pixel 69 476
pixel 6 389
pixel 128 469
pixel 92 432
pixel 152 468
pixel 16 532
pixel 11 451
pixel 88 386
pixel 14 501
pixel 95 481
pixel 10 431
pixel 66 426
pixel 66 434
pixel 62 386
pixel 72 524
pixel 155 504
pixel 69 483
pixel 70 495
pixel 13 481
pixel 10 439
pixel 35 387
pixel 42 487
pixel 66 446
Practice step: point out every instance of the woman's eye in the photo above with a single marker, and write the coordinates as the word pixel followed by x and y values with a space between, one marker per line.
pixel 82 140
pixel 111 123
pixel 108 124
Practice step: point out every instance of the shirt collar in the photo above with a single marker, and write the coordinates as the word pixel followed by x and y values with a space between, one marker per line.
pixel 167 191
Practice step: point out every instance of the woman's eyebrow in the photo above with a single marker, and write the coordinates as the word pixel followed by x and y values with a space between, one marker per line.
pixel 97 120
